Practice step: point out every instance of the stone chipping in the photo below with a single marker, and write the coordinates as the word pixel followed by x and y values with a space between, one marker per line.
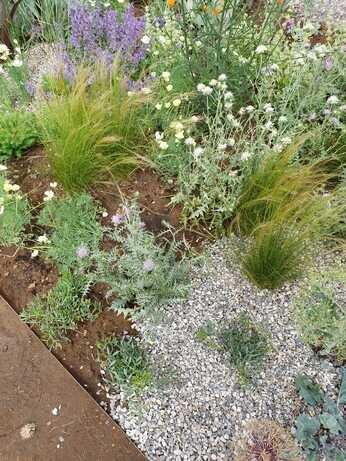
pixel 197 412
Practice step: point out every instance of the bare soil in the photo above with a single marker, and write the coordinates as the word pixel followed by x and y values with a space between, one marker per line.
pixel 23 277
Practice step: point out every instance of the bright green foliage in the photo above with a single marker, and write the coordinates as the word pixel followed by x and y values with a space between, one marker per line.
pixel 73 224
pixel 59 311
pixel 14 214
pixel 320 434
pixel 139 271
pixel 322 320
pixel 18 133
pixel 94 130
pixel 125 363
pixel 246 345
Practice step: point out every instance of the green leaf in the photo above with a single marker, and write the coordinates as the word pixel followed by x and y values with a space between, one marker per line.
pixel 308 390
pixel 331 423
pixel 307 428
pixel 342 392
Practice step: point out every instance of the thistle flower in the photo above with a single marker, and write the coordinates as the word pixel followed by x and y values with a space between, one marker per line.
pixel 117 219
pixel 82 252
pixel 148 265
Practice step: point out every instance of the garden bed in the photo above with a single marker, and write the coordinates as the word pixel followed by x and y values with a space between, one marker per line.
pixel 172 216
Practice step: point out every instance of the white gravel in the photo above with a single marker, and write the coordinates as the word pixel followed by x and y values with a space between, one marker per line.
pixel 195 415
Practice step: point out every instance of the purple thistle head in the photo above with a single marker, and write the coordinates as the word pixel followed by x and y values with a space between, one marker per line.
pixel 328 63
pixel 148 265
pixel 117 219
pixel 82 252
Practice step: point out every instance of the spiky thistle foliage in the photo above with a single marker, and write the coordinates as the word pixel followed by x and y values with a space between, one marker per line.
pixel 140 273
pixel 264 440
pixel 73 228
pixel 59 311
pixel 94 130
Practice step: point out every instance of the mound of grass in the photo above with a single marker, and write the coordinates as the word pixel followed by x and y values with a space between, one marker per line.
pixel 125 363
pixel 94 129
pixel 59 312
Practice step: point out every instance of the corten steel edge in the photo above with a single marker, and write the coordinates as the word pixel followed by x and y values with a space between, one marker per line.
pixel 45 415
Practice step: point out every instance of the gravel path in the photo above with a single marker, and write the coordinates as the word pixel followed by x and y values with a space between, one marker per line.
pixel 195 416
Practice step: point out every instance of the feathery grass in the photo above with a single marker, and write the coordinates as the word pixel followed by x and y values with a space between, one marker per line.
pixel 93 131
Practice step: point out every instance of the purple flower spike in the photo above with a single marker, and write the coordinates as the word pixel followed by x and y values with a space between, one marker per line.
pixel 117 219
pixel 148 265
pixel 328 63
pixel 82 252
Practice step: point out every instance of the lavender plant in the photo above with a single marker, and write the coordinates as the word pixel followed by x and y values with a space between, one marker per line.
pixel 105 34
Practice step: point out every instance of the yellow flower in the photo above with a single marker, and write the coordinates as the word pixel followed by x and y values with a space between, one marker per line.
pixel 171 3
pixel 216 11
pixel 280 2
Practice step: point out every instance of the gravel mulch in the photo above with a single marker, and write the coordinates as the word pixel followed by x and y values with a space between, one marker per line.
pixel 196 414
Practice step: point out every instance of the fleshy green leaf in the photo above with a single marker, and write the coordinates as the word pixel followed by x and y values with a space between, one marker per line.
pixel 308 390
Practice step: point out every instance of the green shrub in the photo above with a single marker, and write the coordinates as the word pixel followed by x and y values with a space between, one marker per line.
pixel 322 320
pixel 74 230
pixel 138 271
pixel 18 133
pixel 94 130
pixel 246 345
pixel 60 310
pixel 14 213
pixel 321 431
pixel 125 363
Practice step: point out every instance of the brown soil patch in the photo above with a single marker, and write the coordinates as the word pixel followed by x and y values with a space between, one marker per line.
pixel 22 277
pixel 32 173
pixel 79 355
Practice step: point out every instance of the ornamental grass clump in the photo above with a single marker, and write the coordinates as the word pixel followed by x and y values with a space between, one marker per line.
pixel 285 208
pixel 95 130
